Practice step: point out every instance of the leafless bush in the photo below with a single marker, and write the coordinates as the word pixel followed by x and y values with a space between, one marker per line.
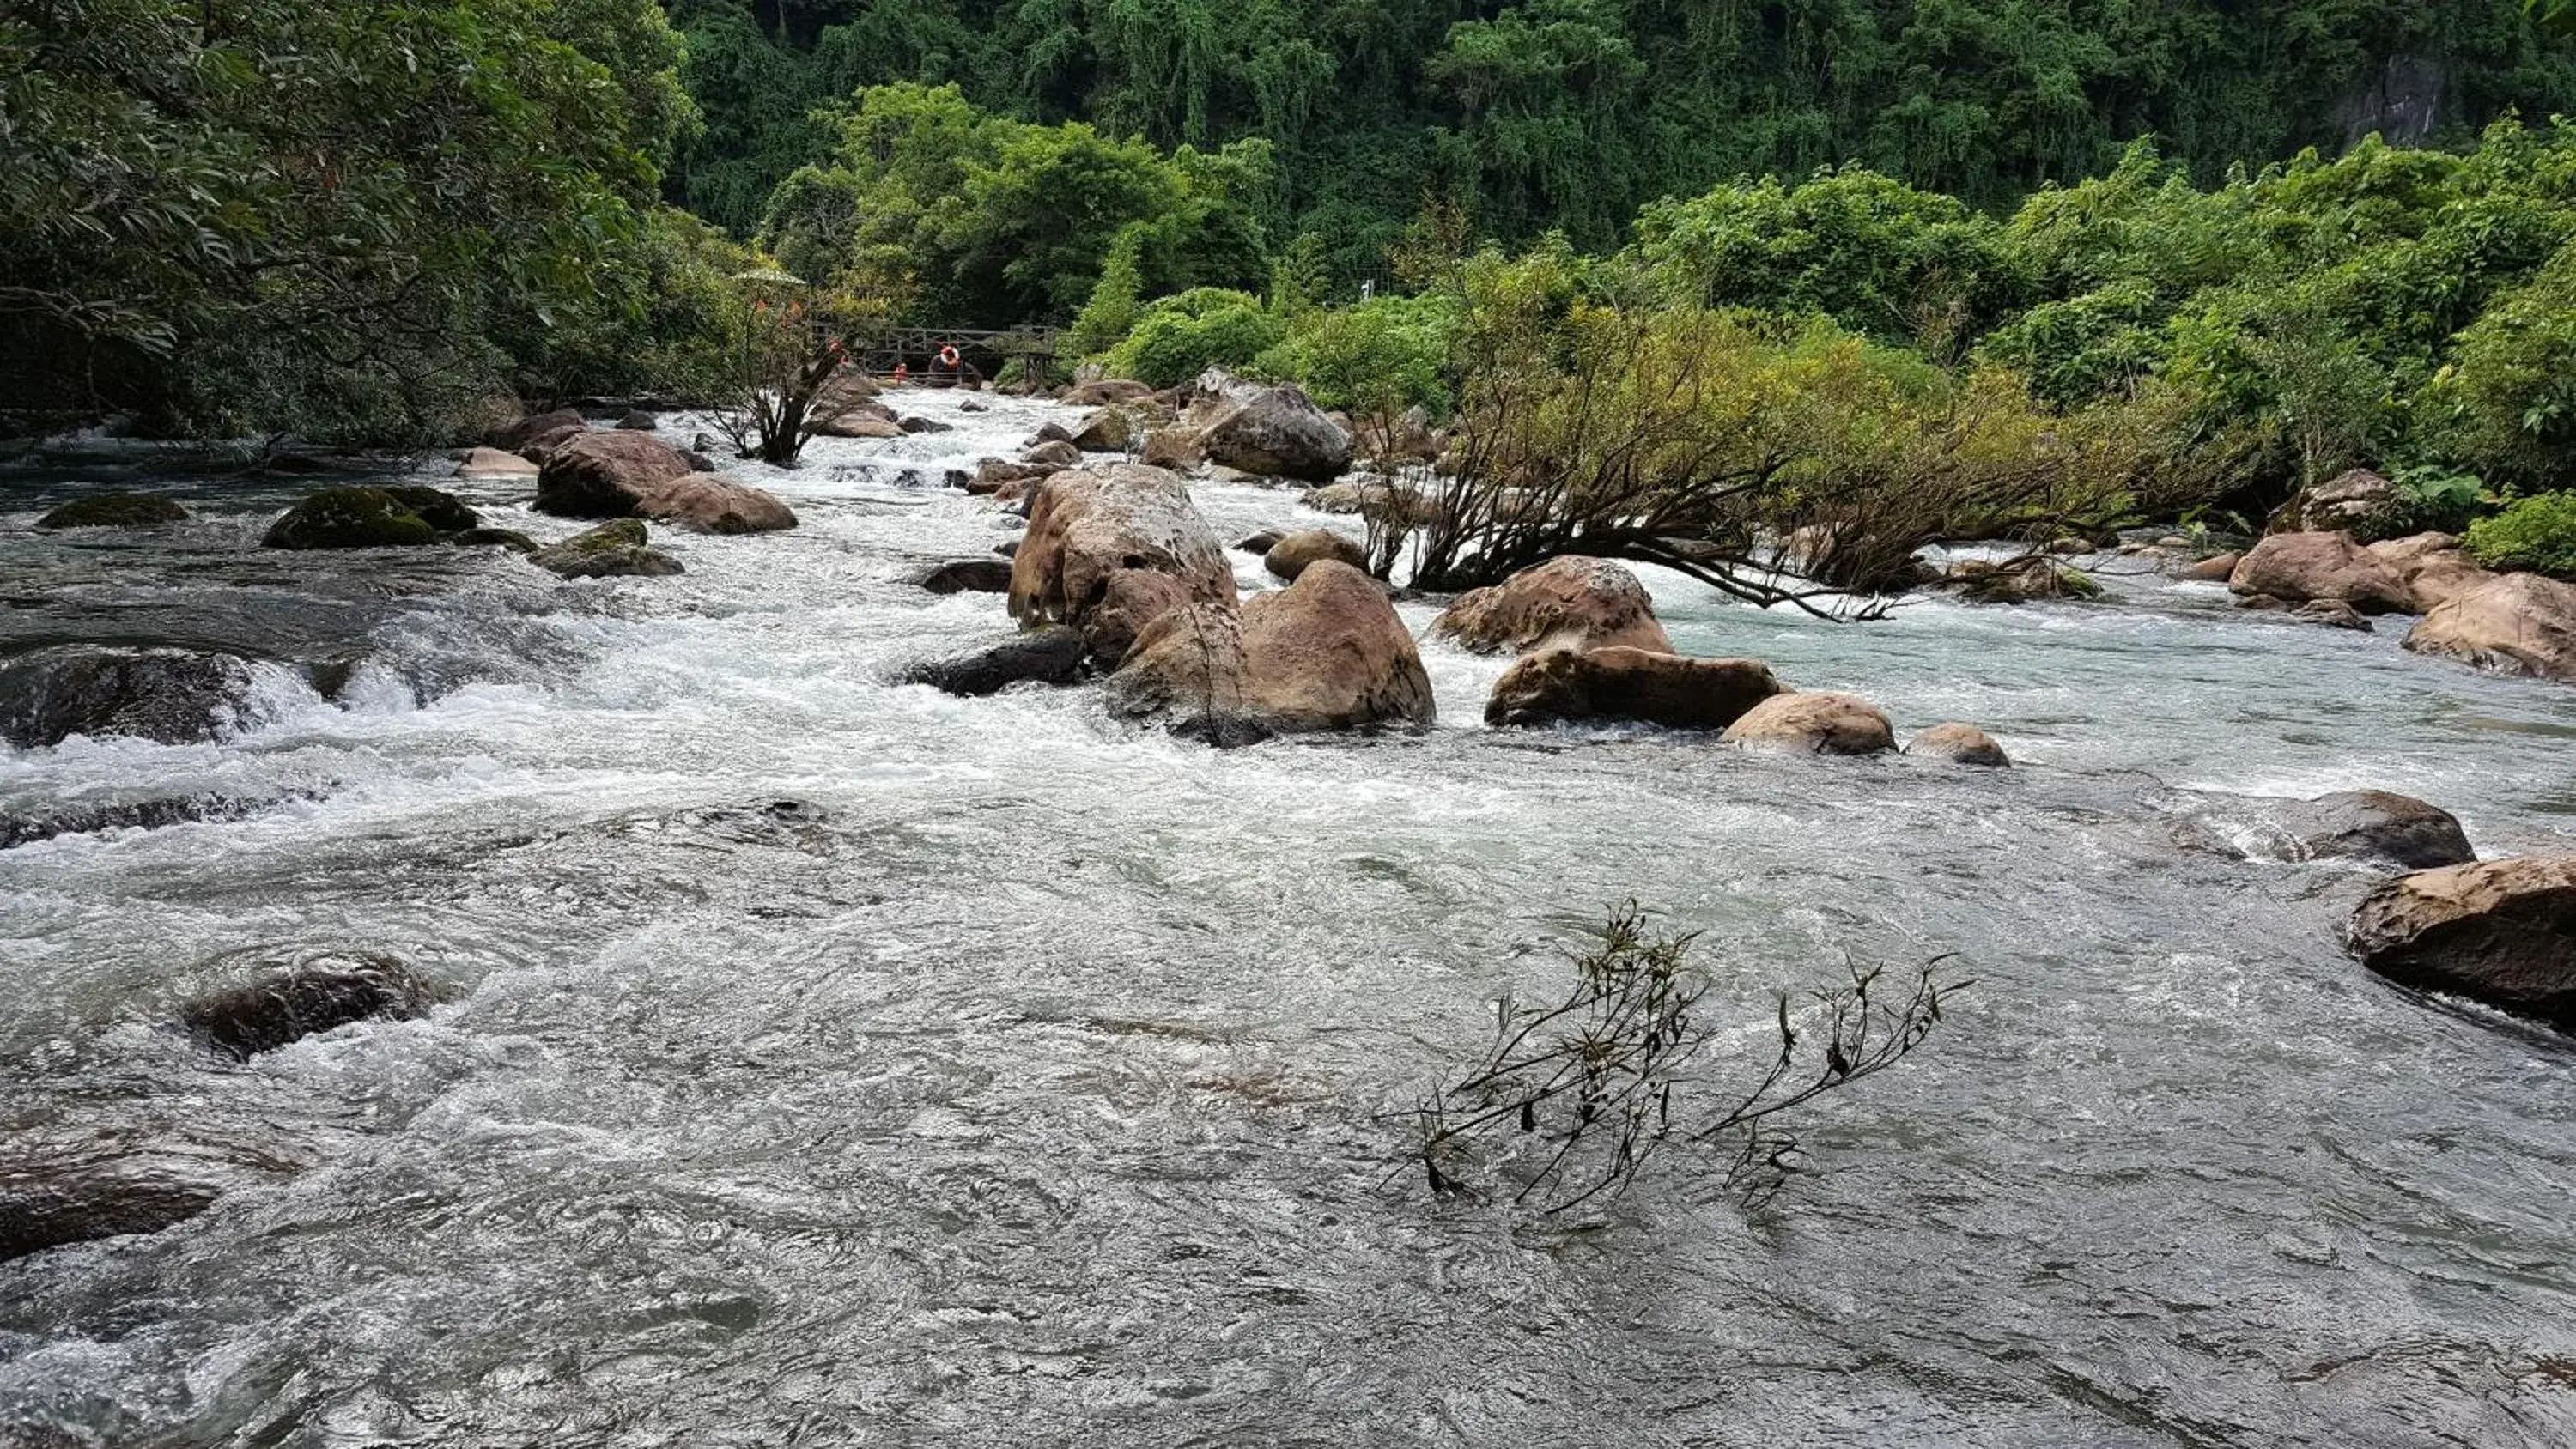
pixel 1573 1100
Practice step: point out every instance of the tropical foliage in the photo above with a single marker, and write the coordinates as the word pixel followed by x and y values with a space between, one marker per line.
pixel 338 216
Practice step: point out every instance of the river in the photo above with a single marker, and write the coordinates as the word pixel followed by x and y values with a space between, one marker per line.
pixel 826 1061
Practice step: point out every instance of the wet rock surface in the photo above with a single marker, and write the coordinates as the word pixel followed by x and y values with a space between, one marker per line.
pixel 2376 825
pixel 116 510
pixel 2502 932
pixel 166 695
pixel 370 517
pixel 1566 603
pixel 1050 655
pixel 619 548
pixel 322 992
pixel 1815 724
pixel 1622 683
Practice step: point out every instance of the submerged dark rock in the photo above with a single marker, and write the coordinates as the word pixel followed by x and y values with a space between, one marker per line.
pixel 969 576
pixel 115 510
pixel 27 827
pixel 172 696
pixel 1051 655
pixel 2377 825
pixel 58 1199
pixel 509 538
pixel 316 995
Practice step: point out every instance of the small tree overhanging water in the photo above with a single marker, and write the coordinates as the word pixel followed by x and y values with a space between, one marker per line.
pixel 1598 415
pixel 1572 1101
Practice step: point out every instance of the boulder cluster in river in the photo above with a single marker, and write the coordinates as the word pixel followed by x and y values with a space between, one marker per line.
pixel 2328 560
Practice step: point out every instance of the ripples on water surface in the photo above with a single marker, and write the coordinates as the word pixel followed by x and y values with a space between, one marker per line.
pixel 831 1063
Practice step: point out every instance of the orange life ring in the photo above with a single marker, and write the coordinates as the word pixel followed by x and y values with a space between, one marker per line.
pixel 948 356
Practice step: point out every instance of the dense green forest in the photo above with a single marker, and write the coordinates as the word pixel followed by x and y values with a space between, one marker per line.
pixel 2172 228
pixel 1572 114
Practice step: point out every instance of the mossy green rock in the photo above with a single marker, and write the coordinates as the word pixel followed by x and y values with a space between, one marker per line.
pixel 366 517
pixel 440 510
pixel 115 510
pixel 616 548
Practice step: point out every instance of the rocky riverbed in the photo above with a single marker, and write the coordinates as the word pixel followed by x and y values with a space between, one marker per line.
pixel 755 1047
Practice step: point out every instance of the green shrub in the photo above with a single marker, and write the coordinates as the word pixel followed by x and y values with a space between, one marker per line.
pixel 1113 309
pixel 2537 534
pixel 1380 356
pixel 2511 385
pixel 2430 500
pixel 1177 338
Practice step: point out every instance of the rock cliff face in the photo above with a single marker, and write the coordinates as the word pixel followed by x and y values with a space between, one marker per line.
pixel 2404 104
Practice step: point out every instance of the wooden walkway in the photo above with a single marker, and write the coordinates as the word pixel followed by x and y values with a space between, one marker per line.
pixel 987 350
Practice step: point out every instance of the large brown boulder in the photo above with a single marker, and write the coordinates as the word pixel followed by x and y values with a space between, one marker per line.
pixel 1289 556
pixel 1960 744
pixel 857 423
pixel 1572 602
pixel 1109 551
pixel 1278 432
pixel 993 475
pixel 2513 624
pixel 2435 568
pixel 707 503
pixel 1325 653
pixel 2298 567
pixel 493 463
pixel 636 475
pixel 1110 430
pixel 1177 446
pixel 2499 931
pixel 1624 683
pixel 511 437
pixel 601 475
pixel 1816 724
pixel 541 447
pixel 844 397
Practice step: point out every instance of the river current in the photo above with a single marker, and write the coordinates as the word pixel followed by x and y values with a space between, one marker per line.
pixel 827 1061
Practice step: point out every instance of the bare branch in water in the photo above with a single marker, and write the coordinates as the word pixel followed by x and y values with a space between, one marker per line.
pixel 1571 1102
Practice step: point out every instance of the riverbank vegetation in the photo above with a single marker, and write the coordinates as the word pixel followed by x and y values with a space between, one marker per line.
pixel 2043 266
